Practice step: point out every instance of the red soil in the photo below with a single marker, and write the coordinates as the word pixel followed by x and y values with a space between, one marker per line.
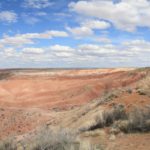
pixel 37 93
pixel 57 91
pixel 131 101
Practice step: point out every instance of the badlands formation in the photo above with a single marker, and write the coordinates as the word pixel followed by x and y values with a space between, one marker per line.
pixel 72 98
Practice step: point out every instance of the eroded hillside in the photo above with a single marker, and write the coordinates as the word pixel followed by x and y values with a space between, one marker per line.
pixel 76 100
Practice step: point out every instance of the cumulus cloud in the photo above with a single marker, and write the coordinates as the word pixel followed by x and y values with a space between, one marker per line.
pixel 37 4
pixel 129 51
pixel 61 51
pixel 87 26
pixel 22 39
pixel 15 41
pixel 98 50
pixel 8 16
pixel 80 31
pixel 102 39
pixel 126 15
pixel 32 50
pixel 137 46
pixel 61 48
pixel 9 52
pixel 95 24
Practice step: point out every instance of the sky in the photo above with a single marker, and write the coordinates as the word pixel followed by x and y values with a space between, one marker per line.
pixel 74 33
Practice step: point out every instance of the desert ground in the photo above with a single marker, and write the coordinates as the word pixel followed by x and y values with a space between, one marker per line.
pixel 101 108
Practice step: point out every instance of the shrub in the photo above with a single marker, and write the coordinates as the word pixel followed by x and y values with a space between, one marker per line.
pixel 143 88
pixel 7 144
pixel 129 90
pixel 138 120
pixel 106 118
pixel 122 125
pixel 5 75
pixel 46 139
pixel 116 113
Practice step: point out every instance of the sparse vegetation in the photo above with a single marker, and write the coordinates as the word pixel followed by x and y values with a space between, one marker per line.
pixel 143 87
pixel 138 120
pixel 129 91
pixel 47 139
pixel 102 117
pixel 4 75
pixel 106 118
pixel 7 144
pixel 109 96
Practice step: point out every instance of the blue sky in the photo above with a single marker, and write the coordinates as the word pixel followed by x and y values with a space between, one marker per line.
pixel 74 33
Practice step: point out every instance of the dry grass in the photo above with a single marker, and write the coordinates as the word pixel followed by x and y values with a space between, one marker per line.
pixel 106 118
pixel 138 120
pixel 47 139
pixel 5 75
pixel 7 144
pixel 143 87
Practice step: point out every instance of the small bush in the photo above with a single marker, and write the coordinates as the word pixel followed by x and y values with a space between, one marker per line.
pixel 46 139
pixel 7 144
pixel 129 91
pixel 107 118
pixel 143 88
pixel 116 113
pixel 4 75
pixel 138 120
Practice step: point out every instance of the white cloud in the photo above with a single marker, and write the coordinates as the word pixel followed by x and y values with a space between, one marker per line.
pixel 54 33
pixel 37 4
pixel 99 50
pixel 87 26
pixel 8 16
pixel 64 54
pixel 15 41
pixel 84 54
pixel 125 15
pixel 9 51
pixel 137 46
pixel 61 48
pixel 61 51
pixel 95 24
pixel 102 39
pixel 80 31
pixel 22 39
pixel 33 50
